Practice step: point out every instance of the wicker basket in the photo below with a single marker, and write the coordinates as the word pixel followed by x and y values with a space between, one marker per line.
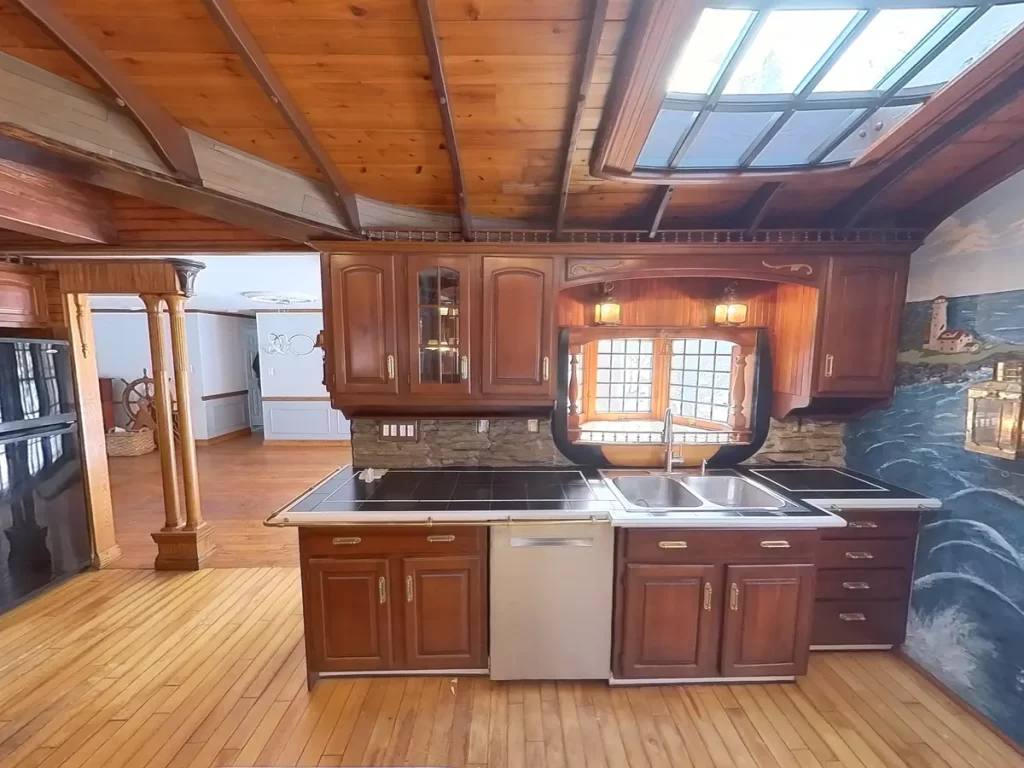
pixel 134 443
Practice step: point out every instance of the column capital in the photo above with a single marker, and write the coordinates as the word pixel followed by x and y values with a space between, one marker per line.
pixel 175 302
pixel 154 303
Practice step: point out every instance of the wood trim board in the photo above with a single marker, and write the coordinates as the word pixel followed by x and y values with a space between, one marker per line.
pixel 223 395
pixel 207 442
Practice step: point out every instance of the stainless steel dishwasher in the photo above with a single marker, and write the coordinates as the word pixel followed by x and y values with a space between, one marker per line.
pixel 551 601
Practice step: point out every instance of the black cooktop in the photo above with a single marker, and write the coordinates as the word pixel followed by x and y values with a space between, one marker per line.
pixel 816 479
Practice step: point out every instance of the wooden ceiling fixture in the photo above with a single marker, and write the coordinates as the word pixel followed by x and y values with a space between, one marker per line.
pixel 750 216
pixel 41 204
pixel 659 202
pixel 428 27
pixel 849 211
pixel 167 137
pixel 238 34
pixel 583 76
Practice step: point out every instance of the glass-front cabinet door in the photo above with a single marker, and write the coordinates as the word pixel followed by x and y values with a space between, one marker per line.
pixel 439 302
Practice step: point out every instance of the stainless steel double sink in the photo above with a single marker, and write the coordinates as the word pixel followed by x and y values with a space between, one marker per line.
pixel 646 491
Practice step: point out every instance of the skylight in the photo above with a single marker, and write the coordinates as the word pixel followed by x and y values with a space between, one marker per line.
pixel 786 87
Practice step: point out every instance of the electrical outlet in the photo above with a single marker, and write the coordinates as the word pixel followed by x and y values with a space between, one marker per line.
pixel 482 426
pixel 532 425
pixel 399 430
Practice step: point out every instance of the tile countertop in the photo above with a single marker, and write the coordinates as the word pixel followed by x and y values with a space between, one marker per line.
pixel 474 495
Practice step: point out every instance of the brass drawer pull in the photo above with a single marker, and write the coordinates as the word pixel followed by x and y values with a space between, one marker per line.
pixel 408 589
pixel 441 539
pixel 829 365
pixel 863 524
pixel 775 544
pixel 391 367
pixel 382 590
pixel 464 368
pixel 340 541
pixel 546 369
pixel 734 597
pixel 672 545
pixel 859 556
pixel 707 597
pixel 856 585
pixel 853 617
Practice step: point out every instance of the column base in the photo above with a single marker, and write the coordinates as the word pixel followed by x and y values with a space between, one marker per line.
pixel 185 549
pixel 103 559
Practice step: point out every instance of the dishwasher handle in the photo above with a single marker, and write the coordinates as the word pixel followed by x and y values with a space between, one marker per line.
pixel 528 542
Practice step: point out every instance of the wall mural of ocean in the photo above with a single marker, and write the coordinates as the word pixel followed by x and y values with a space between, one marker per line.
pixel 967 606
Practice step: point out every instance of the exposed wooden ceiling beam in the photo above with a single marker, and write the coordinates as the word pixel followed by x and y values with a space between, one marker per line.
pixel 36 203
pixel 849 211
pixel 167 137
pixel 245 45
pixel 583 76
pixel 750 216
pixel 659 202
pixel 430 39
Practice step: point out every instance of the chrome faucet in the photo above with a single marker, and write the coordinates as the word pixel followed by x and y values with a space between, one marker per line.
pixel 667 437
pixel 703 467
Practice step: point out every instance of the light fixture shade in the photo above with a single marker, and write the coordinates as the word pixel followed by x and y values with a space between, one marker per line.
pixel 730 311
pixel 607 311
pixel 994 414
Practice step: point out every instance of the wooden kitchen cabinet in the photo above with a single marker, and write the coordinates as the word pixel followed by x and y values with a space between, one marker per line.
pixel 517 345
pixel 22 297
pixel 439 299
pixel 376 600
pixel 766 630
pixel 860 325
pixel 671 620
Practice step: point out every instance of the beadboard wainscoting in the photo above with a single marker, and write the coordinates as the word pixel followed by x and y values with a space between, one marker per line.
pixel 303 419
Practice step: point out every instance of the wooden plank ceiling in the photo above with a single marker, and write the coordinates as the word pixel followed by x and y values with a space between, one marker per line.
pixel 359 73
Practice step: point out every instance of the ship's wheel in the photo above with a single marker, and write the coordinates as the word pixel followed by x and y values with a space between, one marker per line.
pixel 138 401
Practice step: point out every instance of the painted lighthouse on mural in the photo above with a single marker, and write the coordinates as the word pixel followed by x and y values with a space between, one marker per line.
pixel 943 339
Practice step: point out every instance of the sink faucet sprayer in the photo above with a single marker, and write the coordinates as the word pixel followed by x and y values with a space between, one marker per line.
pixel 667 437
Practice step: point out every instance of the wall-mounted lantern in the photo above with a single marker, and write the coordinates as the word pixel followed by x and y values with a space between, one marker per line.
pixel 607 311
pixel 994 413
pixel 730 310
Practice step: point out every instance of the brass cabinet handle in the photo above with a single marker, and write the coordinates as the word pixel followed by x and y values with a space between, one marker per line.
pixel 545 368
pixel 780 544
pixel 707 597
pixel 856 585
pixel 464 367
pixel 441 539
pixel 734 597
pixel 859 556
pixel 863 524
pixel 853 617
pixel 391 367
pixel 672 545
pixel 829 363
pixel 408 589
pixel 382 590
pixel 340 541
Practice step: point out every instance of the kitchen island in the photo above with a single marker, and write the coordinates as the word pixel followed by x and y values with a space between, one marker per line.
pixel 570 573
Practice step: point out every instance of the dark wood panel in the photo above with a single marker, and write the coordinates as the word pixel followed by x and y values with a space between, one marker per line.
pixel 794 321
pixel 369 540
pixel 462 302
pixel 688 545
pixel 875 524
pixel 23 301
pixel 863 584
pixel 859 622
pixel 867 553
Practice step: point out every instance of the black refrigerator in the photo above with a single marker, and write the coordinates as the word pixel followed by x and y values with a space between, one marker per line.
pixel 44 520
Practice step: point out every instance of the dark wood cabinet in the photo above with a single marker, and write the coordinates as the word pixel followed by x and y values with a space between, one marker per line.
pixel 351 597
pixel 701 604
pixel 363 323
pixel 376 600
pixel 517 343
pixel 670 621
pixel 444 614
pixel 22 297
pixel 860 325
pixel 766 629
pixel 439 301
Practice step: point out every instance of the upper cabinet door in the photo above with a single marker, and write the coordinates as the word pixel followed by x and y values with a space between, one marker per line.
pixel 364 347
pixel 860 328
pixel 517 345
pixel 439 296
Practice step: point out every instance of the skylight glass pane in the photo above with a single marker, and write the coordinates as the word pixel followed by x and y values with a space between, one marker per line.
pixel 788 45
pixel 890 36
pixel 668 128
pixel 871 130
pixel 980 37
pixel 707 49
pixel 799 137
pixel 724 138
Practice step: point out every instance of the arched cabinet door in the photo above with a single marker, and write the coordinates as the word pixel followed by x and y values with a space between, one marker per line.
pixel 364 355
pixel 517 346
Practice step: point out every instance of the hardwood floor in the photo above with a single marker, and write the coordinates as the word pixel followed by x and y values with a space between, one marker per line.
pixel 241 482
pixel 150 670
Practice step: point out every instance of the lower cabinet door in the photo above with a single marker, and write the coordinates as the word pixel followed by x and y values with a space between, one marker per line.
pixel 348 614
pixel 766 630
pixel 444 612
pixel 669 621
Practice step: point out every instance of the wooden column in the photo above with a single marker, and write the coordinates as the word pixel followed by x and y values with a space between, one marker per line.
pixel 164 421
pixel 96 475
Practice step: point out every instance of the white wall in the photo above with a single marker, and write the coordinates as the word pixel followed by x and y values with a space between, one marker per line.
pixel 297 372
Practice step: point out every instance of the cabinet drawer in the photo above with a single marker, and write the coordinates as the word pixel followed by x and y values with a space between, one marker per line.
pixel 356 540
pixel 859 622
pixel 679 545
pixel 864 584
pixel 874 524
pixel 867 553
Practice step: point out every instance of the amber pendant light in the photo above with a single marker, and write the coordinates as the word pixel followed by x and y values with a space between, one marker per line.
pixel 607 311
pixel 730 310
